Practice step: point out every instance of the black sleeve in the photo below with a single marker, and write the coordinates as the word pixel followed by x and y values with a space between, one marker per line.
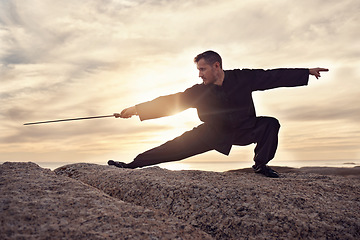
pixel 168 105
pixel 283 77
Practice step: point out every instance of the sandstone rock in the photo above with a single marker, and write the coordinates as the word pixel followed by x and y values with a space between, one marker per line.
pixel 237 205
pixel 88 201
pixel 36 203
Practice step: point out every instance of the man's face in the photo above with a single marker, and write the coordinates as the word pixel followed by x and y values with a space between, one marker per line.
pixel 206 72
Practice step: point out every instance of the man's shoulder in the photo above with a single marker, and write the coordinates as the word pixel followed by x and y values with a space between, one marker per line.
pixel 196 87
pixel 232 70
pixel 243 73
pixel 237 71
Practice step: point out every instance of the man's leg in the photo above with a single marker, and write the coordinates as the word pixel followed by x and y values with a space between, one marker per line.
pixel 184 146
pixel 265 135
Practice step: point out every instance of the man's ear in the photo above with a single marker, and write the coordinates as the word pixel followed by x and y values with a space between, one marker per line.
pixel 216 65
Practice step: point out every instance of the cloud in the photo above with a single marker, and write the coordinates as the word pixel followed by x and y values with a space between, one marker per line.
pixel 70 59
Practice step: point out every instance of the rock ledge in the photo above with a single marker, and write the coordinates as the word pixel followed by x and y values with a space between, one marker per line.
pixel 89 201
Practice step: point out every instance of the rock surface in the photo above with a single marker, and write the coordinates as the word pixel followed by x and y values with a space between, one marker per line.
pixel 89 201
pixel 237 205
pixel 36 203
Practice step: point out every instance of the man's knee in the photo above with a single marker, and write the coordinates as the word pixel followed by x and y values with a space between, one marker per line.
pixel 274 122
pixel 271 122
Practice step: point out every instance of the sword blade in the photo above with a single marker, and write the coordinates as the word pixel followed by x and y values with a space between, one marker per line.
pixel 68 119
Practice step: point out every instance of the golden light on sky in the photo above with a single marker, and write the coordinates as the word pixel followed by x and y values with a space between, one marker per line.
pixel 65 59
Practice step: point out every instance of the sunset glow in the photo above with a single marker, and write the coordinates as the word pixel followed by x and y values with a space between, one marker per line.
pixel 65 59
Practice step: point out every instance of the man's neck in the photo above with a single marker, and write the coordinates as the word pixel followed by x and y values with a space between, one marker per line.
pixel 220 79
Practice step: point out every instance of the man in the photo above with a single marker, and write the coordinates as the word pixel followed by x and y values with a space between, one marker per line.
pixel 225 106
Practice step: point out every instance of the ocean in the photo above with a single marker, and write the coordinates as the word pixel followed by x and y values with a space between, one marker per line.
pixel 221 166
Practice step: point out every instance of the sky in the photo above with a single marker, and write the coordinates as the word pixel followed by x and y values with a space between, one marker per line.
pixel 67 59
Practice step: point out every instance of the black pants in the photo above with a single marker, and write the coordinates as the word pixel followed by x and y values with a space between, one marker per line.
pixel 264 134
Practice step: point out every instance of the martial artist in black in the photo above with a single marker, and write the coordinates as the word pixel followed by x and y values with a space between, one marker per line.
pixel 225 106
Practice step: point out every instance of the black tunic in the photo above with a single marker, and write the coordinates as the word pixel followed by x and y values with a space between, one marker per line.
pixel 227 108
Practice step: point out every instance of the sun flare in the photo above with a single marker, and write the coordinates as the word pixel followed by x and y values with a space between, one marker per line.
pixel 177 124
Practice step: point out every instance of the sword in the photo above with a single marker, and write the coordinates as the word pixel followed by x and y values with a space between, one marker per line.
pixel 68 119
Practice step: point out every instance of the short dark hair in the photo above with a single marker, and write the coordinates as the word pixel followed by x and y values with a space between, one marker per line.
pixel 210 57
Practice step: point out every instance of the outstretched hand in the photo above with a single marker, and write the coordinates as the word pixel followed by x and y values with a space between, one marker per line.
pixel 126 113
pixel 316 71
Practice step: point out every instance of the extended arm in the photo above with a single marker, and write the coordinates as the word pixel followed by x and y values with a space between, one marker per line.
pixel 159 107
pixel 164 105
pixel 282 77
